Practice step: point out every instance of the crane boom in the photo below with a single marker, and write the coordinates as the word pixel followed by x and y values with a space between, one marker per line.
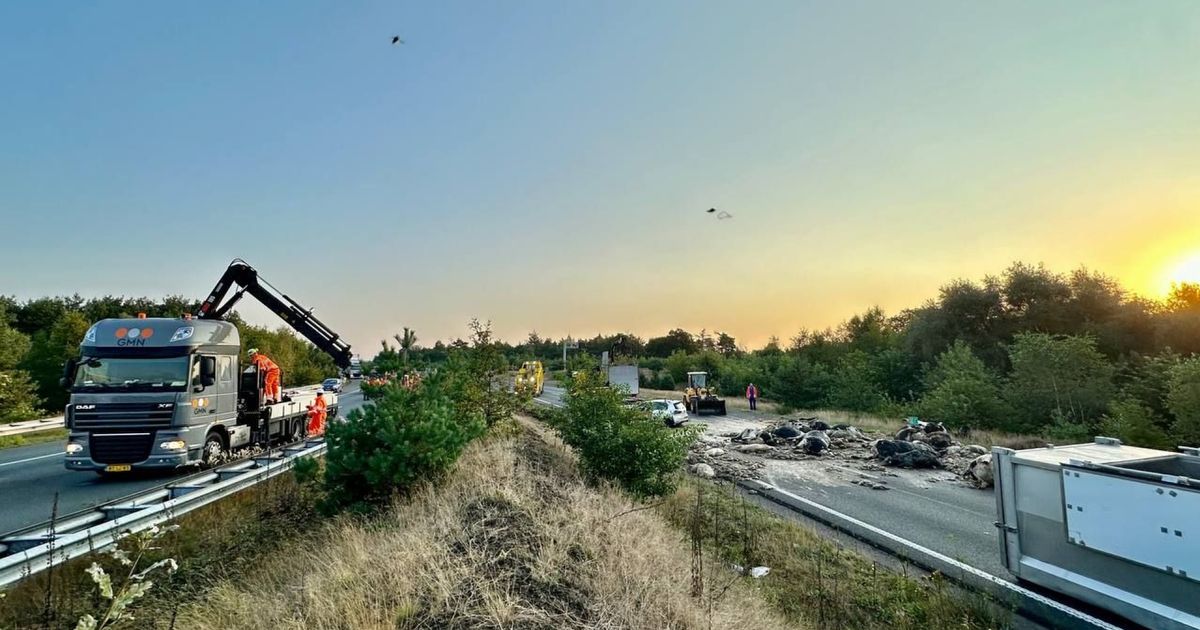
pixel 296 316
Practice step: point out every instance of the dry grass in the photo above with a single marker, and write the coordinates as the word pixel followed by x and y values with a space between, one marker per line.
pixel 512 539
pixel 816 581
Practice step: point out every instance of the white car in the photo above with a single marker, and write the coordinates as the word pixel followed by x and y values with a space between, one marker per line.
pixel 671 412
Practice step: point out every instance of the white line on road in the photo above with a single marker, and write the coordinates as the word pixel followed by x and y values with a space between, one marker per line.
pixel 30 459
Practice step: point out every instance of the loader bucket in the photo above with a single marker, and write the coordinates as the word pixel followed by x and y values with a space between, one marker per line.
pixel 710 405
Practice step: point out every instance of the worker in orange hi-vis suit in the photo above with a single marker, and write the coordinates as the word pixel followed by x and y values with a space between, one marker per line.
pixel 316 416
pixel 271 382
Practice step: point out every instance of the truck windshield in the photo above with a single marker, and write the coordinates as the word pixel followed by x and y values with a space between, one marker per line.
pixel 141 374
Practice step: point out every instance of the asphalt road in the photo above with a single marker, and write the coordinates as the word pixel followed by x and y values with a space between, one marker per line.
pixel 921 506
pixel 30 476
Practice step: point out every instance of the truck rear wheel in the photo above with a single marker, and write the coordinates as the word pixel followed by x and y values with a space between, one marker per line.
pixel 214 448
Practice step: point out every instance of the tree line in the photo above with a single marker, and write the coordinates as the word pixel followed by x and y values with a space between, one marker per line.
pixel 37 336
pixel 1066 356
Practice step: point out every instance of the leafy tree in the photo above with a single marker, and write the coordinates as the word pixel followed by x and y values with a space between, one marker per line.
pixel 13 344
pixel 18 396
pixel 678 365
pixel 674 341
pixel 1036 298
pixel 800 383
pixel 962 391
pixel 49 350
pixel 869 332
pixel 964 310
pixel 853 387
pixel 1184 297
pixel 1133 423
pixel 621 443
pixel 1146 379
pixel 1057 377
pixel 726 345
pixel 1183 399
pixel 478 378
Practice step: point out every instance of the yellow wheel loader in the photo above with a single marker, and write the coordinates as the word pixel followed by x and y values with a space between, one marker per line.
pixel 699 398
pixel 530 378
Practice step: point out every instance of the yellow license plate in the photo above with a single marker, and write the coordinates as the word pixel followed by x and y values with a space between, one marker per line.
pixel 117 468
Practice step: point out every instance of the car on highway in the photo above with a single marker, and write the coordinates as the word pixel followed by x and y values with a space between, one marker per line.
pixel 671 412
pixel 332 385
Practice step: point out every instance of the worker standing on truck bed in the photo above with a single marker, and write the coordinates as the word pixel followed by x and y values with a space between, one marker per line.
pixel 271 385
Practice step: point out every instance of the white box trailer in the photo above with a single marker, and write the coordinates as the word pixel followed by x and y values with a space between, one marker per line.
pixel 1112 525
pixel 624 376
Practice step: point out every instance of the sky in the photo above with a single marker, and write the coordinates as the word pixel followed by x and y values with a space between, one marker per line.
pixel 546 165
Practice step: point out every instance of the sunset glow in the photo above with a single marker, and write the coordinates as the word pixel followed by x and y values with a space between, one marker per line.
pixel 1186 270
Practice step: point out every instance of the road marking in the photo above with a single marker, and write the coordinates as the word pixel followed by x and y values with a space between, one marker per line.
pixel 22 461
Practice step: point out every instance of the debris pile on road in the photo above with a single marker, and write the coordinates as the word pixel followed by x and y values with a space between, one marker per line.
pixel 926 445
pixel 709 459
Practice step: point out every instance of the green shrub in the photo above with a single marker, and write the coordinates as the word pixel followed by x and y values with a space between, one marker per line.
pixel 1133 423
pixel 1183 399
pixel 403 437
pixel 621 443
pixel 962 391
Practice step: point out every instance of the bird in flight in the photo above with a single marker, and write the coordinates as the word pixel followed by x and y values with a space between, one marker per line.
pixel 396 40
pixel 721 215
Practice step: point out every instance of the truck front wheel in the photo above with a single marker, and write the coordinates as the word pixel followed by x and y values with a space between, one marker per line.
pixel 214 448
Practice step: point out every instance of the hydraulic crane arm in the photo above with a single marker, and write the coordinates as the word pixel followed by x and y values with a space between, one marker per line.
pixel 299 318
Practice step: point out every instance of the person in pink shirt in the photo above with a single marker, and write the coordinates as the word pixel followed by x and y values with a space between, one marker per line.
pixel 752 396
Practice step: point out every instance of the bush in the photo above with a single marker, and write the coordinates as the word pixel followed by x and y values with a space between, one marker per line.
pixel 405 436
pixel 1183 399
pixel 962 391
pixel 1056 378
pixel 621 443
pixel 1133 423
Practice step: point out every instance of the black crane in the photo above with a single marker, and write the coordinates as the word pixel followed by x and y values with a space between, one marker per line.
pixel 296 316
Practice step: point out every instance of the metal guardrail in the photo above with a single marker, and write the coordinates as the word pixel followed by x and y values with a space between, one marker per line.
pixel 31 426
pixel 1035 605
pixel 37 548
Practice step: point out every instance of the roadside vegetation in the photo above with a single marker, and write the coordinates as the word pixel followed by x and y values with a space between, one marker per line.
pixel 1025 352
pixel 512 538
pixel 27 439
pixel 814 581
pixel 435 508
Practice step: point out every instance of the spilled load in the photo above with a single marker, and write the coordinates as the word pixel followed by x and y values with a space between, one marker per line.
pixel 916 445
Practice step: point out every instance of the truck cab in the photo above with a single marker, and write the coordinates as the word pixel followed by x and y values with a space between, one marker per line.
pixel 149 393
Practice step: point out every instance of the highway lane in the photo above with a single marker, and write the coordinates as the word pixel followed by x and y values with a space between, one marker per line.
pixel 921 506
pixel 31 475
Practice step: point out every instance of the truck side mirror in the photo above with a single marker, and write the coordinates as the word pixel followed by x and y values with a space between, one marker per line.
pixel 208 371
pixel 68 375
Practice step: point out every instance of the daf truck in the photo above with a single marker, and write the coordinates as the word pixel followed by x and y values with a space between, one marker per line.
pixel 160 393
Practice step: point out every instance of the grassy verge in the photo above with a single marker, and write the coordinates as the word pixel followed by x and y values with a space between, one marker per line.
pixel 513 538
pixel 813 581
pixel 26 439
